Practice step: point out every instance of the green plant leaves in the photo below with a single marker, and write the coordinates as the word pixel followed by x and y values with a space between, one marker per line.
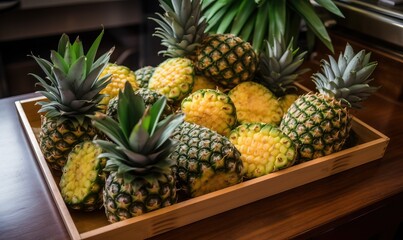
pixel 257 20
pixel 305 9
pixel 330 6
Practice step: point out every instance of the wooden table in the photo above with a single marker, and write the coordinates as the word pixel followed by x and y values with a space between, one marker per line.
pixel 363 202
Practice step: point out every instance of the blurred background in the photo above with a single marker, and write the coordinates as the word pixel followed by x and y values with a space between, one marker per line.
pixel 32 26
pixel 35 26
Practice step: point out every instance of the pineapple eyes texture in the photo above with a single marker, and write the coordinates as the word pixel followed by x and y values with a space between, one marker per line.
pixel 206 161
pixel 264 148
pixel 210 108
pixel 173 78
pixel 319 132
pixel 82 179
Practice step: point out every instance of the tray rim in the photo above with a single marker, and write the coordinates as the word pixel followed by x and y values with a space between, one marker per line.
pixel 63 210
pixel 72 229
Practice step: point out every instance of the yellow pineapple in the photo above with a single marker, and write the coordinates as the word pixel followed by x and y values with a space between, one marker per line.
pixel 210 108
pixel 83 177
pixel 202 82
pixel 255 103
pixel 287 100
pixel 119 75
pixel 140 178
pixel 279 69
pixel 174 78
pixel 264 148
pixel 72 86
pixel 320 123
pixel 224 58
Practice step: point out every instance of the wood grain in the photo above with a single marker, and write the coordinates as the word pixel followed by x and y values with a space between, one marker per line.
pixel 312 211
pixel 371 147
pixel 27 210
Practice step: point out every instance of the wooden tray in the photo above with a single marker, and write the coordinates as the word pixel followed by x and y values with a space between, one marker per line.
pixel 371 146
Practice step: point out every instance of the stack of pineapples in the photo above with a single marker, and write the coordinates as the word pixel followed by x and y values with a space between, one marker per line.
pixel 213 114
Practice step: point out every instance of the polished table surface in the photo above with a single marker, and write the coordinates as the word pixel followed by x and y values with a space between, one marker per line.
pixel 27 210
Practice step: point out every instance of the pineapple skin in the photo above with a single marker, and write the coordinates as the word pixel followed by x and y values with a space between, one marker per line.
pixel 119 75
pixel 141 179
pixel 255 103
pixel 264 148
pixel 317 124
pixel 173 78
pixel 144 194
pixel 56 140
pixel 210 108
pixel 206 161
pixel 226 59
pixel 143 76
pixel 82 180
pixel 287 100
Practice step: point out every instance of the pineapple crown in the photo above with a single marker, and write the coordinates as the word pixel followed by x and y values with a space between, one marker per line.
pixel 72 82
pixel 348 78
pixel 279 66
pixel 141 142
pixel 181 27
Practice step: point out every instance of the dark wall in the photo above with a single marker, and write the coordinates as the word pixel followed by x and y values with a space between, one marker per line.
pixel 37 30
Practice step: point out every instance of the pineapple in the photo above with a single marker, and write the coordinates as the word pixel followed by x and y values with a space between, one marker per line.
pixel 319 123
pixel 264 148
pixel 202 82
pixel 149 97
pixel 173 78
pixel 255 103
pixel 112 108
pixel 225 58
pixel 269 98
pixel 140 179
pixel 119 75
pixel 279 68
pixel 83 177
pixel 72 86
pixel 181 29
pixel 286 101
pixel 143 76
pixel 206 161
pixel 210 108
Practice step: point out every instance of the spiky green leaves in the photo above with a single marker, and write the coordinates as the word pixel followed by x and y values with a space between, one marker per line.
pixel 181 28
pixel 280 66
pixel 71 83
pixel 264 19
pixel 140 140
pixel 347 79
